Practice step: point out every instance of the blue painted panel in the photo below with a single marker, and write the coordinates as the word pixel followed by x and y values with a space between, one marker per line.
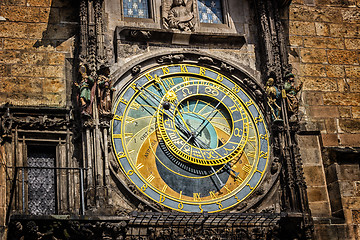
pixel 255 179
pixel 211 74
pixel 129 94
pixel 261 165
pixel 254 111
pixel 116 127
pixel 136 8
pixel 192 69
pixel 243 96
pixel 243 193
pixel 118 145
pixel 210 11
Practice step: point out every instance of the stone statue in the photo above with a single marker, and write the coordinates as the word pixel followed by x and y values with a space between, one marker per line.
pixel 104 90
pixel 84 86
pixel 289 92
pixel 178 15
pixel 273 95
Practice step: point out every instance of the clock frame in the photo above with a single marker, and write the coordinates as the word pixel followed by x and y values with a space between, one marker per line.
pixel 157 167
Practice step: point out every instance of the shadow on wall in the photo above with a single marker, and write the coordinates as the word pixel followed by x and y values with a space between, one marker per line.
pixel 63 23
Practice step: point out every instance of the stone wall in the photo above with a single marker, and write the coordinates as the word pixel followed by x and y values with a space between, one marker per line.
pixel 36 37
pixel 324 41
pixel 36 50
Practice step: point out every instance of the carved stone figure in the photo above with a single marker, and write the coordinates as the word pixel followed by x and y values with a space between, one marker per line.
pixel 104 91
pixel 289 92
pixel 178 15
pixel 273 95
pixel 171 58
pixel 85 90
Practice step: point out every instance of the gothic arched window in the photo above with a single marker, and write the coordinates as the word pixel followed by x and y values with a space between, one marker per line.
pixel 136 8
pixel 210 11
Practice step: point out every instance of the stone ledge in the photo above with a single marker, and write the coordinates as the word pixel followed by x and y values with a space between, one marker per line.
pixel 158 36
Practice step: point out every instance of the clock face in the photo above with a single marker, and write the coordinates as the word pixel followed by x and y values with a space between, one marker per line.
pixel 190 138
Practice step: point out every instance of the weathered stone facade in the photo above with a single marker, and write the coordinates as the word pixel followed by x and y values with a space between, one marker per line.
pixel 324 44
pixel 36 39
pixel 37 50
pixel 41 46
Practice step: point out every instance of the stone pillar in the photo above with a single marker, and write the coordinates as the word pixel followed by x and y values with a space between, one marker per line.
pixel 2 193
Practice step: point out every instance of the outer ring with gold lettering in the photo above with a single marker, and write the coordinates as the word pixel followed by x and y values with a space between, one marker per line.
pixel 133 134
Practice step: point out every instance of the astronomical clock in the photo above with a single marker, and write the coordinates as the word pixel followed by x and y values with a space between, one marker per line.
pixel 190 137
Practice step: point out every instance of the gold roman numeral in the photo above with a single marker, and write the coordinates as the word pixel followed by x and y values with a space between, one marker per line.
pixel 197 197
pixel 169 82
pixel 183 69
pixel 251 154
pixel 202 71
pixel 246 168
pixel 165 70
pixel 262 136
pixel 139 166
pixel 239 179
pixel 228 190
pixel 116 135
pixel 150 178
pixel 149 77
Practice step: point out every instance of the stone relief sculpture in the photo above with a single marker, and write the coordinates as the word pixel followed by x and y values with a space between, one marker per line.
pixel 273 96
pixel 178 14
pixel 290 94
pixel 104 90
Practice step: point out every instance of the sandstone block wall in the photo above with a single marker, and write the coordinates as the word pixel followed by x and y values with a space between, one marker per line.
pixel 36 43
pixel 36 36
pixel 324 37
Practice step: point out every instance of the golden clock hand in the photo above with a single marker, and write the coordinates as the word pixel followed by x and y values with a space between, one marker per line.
pixel 230 170
pixel 183 120
pixel 150 95
pixel 154 103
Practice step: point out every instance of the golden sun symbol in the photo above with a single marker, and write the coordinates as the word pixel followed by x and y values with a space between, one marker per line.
pixel 170 96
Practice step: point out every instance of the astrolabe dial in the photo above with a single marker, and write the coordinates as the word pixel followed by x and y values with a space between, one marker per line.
pixel 190 138
pixel 205 124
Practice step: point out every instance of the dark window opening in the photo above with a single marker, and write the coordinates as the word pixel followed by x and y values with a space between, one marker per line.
pixel 41 180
